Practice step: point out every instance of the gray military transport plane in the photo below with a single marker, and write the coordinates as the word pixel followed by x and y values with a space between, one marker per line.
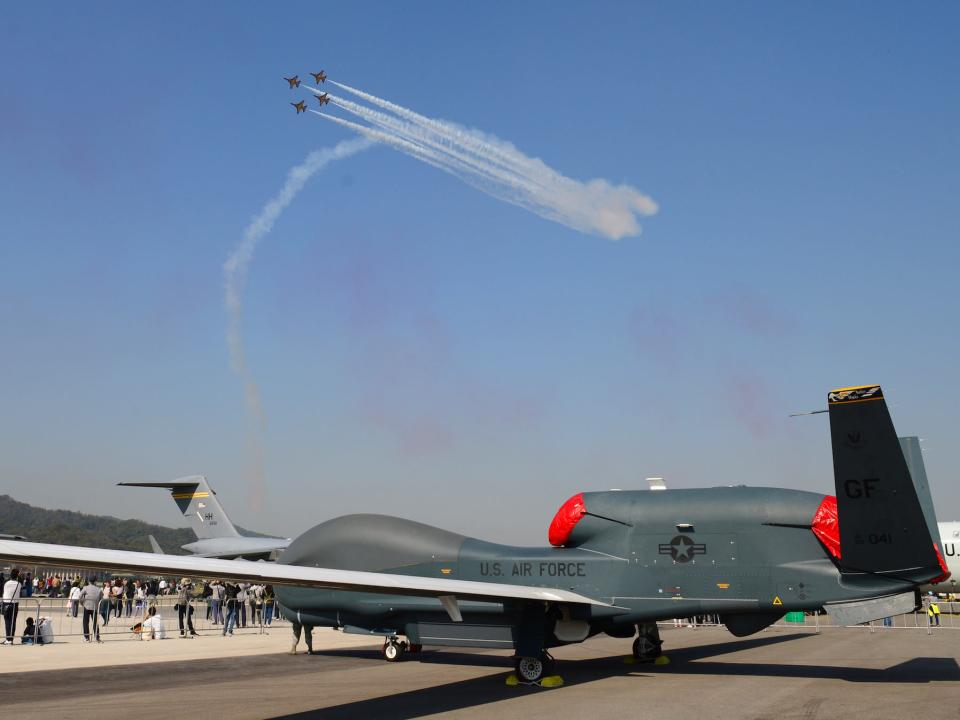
pixel 216 535
pixel 617 561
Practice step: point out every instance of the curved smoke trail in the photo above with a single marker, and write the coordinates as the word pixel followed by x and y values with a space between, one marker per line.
pixel 235 271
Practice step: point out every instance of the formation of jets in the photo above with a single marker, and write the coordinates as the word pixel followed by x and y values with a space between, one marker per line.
pixel 322 98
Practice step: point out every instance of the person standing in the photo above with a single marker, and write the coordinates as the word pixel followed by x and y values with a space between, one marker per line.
pixel 241 605
pixel 116 594
pixel 128 592
pixel 307 635
pixel 184 607
pixel 140 595
pixel 216 601
pixel 105 601
pixel 11 605
pixel 230 593
pixel 268 601
pixel 90 596
pixel 256 605
pixel 75 599
pixel 933 612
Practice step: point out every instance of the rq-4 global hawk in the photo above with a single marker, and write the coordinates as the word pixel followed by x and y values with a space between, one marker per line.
pixel 617 562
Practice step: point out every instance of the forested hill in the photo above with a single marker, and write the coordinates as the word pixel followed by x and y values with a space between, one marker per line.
pixel 65 527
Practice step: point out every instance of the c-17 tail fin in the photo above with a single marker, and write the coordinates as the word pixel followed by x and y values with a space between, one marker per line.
pixel 886 526
pixel 199 506
pixel 155 546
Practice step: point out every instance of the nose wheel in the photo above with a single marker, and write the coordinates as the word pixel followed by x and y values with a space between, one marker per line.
pixel 393 649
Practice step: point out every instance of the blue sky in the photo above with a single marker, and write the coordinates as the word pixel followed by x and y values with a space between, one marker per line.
pixel 423 349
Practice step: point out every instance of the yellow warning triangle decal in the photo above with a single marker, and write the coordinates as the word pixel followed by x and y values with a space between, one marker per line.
pixel 777 600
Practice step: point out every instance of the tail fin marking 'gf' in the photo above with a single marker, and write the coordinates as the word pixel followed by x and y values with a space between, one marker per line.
pixel 885 526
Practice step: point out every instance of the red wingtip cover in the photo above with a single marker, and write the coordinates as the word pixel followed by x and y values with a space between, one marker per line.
pixel 826 526
pixel 566 518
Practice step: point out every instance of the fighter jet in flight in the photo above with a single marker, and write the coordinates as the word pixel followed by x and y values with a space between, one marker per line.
pixel 300 106
pixel 323 98
pixel 320 76
pixel 618 561
pixel 294 81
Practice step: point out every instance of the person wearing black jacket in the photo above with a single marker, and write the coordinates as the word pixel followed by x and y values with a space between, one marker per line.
pixel 128 592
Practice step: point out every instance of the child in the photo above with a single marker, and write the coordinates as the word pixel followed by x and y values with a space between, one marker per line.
pixel 30 634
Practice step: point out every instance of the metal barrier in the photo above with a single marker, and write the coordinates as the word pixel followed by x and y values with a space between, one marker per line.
pixel 817 621
pixel 67 618
pixel 36 620
pixel 917 620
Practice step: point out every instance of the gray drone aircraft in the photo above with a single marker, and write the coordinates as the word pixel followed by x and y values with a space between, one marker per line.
pixel 617 562
pixel 216 535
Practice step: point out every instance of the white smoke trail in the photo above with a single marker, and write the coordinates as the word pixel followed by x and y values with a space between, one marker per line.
pixel 418 136
pixel 425 133
pixel 469 174
pixel 595 206
pixel 421 153
pixel 473 139
pixel 235 276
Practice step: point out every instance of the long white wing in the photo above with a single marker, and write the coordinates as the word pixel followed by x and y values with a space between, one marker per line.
pixel 28 553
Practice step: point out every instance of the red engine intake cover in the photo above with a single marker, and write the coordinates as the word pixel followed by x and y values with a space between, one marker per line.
pixel 826 525
pixel 566 518
pixel 943 566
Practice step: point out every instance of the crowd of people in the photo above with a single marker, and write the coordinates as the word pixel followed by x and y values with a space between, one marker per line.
pixel 229 602
pixel 228 605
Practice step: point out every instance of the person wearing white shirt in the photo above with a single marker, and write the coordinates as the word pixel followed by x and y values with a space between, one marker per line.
pixel 153 626
pixel 75 599
pixel 140 594
pixel 11 605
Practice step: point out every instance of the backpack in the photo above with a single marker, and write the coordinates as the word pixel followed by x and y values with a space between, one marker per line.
pixel 45 634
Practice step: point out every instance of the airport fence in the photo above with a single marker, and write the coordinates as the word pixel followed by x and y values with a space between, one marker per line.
pixel 66 617
pixel 817 621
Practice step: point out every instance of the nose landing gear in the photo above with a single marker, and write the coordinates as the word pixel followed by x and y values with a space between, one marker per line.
pixel 393 649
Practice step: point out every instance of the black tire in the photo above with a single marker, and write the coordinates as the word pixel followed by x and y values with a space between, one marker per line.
pixel 392 651
pixel 646 648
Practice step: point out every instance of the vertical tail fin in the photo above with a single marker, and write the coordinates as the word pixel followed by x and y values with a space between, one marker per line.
pixel 155 546
pixel 913 455
pixel 884 526
pixel 199 506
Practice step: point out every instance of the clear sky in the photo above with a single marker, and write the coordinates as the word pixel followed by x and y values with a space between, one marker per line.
pixel 423 349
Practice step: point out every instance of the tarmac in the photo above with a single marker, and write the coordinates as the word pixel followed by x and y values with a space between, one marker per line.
pixel 782 674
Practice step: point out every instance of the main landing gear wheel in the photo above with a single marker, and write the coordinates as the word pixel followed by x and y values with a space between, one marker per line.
pixel 393 650
pixel 531 669
pixel 647 646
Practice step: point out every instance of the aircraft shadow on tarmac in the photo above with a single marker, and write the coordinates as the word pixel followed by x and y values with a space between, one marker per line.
pixel 684 661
